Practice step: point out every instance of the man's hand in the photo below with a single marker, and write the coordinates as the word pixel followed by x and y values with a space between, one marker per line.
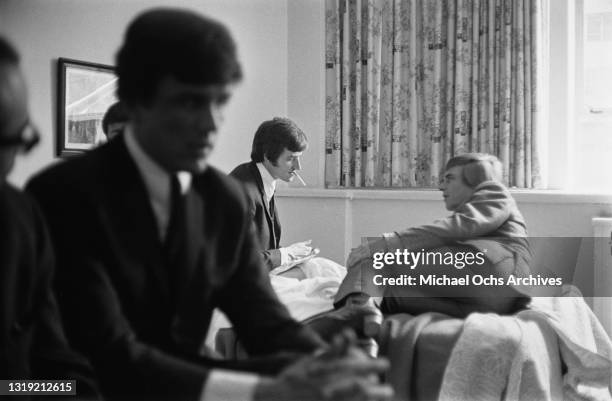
pixel 299 250
pixel 342 372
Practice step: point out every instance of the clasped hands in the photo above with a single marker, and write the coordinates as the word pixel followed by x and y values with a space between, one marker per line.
pixel 340 372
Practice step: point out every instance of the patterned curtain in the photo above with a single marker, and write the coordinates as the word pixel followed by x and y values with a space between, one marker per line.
pixel 410 83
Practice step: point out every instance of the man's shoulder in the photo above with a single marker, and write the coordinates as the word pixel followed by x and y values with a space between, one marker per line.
pixel 248 176
pixel 21 214
pixel 79 173
pixel 14 200
pixel 243 172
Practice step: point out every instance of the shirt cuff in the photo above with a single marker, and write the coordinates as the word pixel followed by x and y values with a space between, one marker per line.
pixel 227 385
pixel 285 258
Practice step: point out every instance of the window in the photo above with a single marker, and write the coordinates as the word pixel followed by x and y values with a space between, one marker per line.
pixel 591 144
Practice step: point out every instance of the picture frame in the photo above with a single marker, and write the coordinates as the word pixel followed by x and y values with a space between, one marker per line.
pixel 85 91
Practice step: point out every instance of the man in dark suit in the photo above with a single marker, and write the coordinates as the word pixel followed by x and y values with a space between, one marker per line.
pixel 150 239
pixel 32 341
pixel 277 147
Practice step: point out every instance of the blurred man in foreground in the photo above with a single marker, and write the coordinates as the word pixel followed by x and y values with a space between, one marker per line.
pixel 151 239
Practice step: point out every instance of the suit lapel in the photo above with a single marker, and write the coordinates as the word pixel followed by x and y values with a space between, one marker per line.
pixel 132 216
pixel 262 194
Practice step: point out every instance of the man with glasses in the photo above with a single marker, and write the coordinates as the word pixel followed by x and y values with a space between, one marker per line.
pixel 32 341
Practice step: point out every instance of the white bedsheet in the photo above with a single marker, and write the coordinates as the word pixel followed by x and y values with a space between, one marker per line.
pixel 304 298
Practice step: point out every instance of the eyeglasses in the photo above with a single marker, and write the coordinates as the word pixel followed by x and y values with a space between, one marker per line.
pixel 26 137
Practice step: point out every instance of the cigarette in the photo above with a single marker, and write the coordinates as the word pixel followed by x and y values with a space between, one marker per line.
pixel 299 178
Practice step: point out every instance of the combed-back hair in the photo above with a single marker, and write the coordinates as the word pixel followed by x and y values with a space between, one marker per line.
pixel 477 168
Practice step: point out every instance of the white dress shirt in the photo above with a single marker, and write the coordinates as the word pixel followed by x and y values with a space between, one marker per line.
pixel 269 182
pixel 156 180
pixel 222 385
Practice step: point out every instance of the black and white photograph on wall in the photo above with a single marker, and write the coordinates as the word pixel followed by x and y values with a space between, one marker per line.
pixel 85 91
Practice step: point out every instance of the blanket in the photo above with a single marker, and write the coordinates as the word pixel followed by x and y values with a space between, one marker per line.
pixel 304 298
pixel 556 349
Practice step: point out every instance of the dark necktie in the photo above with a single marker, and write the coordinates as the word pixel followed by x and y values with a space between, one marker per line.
pixel 271 206
pixel 175 241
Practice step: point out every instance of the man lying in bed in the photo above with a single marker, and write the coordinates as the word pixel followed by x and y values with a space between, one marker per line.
pixel 485 223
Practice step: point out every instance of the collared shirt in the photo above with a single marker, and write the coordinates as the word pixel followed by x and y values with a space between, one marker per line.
pixel 269 182
pixel 222 385
pixel 156 180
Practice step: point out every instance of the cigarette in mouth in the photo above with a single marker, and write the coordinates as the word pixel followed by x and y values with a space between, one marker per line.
pixel 299 178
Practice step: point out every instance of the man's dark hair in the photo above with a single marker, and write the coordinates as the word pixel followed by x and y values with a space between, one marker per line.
pixel 176 43
pixel 8 54
pixel 116 113
pixel 274 136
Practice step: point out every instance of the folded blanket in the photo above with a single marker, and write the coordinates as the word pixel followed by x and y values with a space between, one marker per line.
pixel 585 348
pixel 555 350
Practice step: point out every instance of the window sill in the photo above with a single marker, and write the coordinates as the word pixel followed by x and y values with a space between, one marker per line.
pixel 521 195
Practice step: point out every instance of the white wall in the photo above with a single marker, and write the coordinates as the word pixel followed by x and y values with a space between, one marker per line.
pixel 91 30
pixel 306 87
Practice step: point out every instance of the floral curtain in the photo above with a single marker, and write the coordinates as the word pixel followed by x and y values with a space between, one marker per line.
pixel 410 83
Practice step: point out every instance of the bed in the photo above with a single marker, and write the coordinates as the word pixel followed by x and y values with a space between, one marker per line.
pixel 555 349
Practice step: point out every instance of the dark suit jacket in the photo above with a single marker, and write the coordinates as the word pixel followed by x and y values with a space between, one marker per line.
pixel 32 341
pixel 142 336
pixel 267 224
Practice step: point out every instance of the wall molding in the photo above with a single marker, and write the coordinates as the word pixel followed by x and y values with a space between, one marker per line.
pixel 521 196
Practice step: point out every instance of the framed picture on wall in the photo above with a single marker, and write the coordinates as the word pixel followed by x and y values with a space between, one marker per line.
pixel 85 91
